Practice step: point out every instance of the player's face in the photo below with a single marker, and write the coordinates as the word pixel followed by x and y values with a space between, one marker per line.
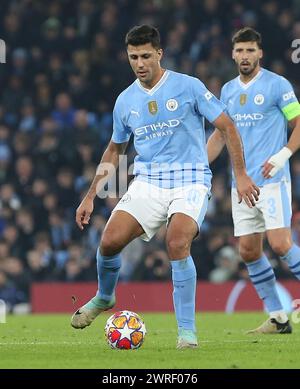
pixel 246 55
pixel 145 62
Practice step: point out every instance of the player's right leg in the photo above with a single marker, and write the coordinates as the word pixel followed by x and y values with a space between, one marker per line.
pixel 278 224
pixel 263 279
pixel 120 229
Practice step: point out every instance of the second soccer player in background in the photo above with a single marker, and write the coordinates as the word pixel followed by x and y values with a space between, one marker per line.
pixel 262 105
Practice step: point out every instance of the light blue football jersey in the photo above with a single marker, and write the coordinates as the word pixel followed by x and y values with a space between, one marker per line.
pixel 167 123
pixel 261 110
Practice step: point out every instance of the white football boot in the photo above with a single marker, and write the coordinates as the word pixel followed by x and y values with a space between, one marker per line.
pixel 186 339
pixel 84 316
pixel 272 326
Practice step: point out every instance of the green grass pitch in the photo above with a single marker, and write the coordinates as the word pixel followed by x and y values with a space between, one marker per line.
pixel 48 341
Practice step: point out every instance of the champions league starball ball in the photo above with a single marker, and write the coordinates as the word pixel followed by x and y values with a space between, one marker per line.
pixel 125 330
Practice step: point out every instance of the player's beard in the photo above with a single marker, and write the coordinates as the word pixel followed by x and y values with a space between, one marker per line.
pixel 250 70
pixel 146 79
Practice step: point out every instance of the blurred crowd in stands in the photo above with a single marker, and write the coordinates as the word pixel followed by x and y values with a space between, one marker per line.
pixel 65 66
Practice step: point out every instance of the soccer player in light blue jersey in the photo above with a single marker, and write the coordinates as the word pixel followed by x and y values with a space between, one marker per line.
pixel 164 111
pixel 262 105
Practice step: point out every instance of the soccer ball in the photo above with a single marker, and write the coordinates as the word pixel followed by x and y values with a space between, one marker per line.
pixel 125 330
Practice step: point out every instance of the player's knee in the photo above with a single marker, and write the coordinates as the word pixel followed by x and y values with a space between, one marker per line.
pixel 248 253
pixel 109 245
pixel 280 246
pixel 178 247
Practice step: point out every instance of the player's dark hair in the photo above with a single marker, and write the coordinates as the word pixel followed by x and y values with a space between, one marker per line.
pixel 247 34
pixel 140 35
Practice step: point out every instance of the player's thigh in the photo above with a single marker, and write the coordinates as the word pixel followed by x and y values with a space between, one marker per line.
pixel 181 228
pixel 280 240
pixel 120 229
pixel 246 220
pixel 185 215
pixel 147 204
pixel 277 209
pixel 251 246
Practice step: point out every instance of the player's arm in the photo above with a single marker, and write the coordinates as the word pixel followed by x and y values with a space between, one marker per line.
pixel 215 145
pixel 278 160
pixel 216 141
pixel 294 141
pixel 246 188
pixel 288 104
pixel 106 168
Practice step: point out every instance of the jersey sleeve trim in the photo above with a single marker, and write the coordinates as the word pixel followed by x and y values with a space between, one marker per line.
pixel 222 109
pixel 119 139
pixel 291 110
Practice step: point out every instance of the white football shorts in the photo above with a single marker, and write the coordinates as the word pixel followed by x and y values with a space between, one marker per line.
pixel 273 210
pixel 153 206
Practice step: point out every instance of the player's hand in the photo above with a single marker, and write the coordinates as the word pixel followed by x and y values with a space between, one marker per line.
pixel 276 162
pixel 84 212
pixel 247 190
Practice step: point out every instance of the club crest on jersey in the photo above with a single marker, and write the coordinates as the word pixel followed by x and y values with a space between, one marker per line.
pixel 259 99
pixel 172 105
pixel 152 106
pixel 243 99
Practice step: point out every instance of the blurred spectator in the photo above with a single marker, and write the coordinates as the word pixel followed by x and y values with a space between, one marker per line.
pixel 65 189
pixel 59 230
pixel 97 225
pixel 156 266
pixel 9 292
pixel 43 247
pixel 4 251
pixel 51 41
pixel 83 182
pixel 9 197
pixel 24 176
pixel 11 235
pixel 22 144
pixel 227 263
pixel 50 202
pixel 28 120
pixel 48 154
pixel 16 273
pixel 38 271
pixel 84 127
pixel 26 227
pixel 72 271
pixel 132 256
pixel 64 113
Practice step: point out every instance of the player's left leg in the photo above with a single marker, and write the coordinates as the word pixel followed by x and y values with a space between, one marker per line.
pixel 185 214
pixel 282 244
pixel 249 226
pixel 180 233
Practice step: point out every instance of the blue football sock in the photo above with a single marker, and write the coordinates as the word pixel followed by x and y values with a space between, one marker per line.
pixel 292 257
pixel 184 292
pixel 108 272
pixel 263 279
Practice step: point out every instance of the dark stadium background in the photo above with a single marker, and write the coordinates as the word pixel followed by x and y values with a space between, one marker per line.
pixel 65 66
